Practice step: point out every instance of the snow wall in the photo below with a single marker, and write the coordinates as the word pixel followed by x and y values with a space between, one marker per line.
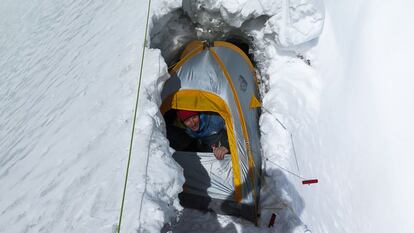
pixel 365 125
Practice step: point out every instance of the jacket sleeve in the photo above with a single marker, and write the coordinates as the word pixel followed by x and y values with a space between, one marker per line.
pixel 222 135
pixel 224 140
pixel 205 143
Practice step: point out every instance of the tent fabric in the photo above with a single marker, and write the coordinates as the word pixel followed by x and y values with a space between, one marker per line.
pixel 255 103
pixel 203 165
pixel 220 78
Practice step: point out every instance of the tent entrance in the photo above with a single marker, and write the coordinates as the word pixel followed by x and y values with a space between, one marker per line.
pixel 205 175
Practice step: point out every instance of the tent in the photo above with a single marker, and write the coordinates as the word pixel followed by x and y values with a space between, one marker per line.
pixel 219 77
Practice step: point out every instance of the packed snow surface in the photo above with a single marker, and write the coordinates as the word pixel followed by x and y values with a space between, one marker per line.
pixel 337 105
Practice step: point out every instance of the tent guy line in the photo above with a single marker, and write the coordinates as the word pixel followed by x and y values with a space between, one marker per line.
pixel 304 180
pixel 291 135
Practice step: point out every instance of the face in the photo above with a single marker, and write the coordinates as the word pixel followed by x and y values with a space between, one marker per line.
pixel 193 123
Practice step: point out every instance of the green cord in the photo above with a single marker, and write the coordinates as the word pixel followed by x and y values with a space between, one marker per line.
pixel 135 116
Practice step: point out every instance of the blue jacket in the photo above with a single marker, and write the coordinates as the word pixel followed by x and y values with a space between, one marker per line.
pixel 210 124
pixel 212 132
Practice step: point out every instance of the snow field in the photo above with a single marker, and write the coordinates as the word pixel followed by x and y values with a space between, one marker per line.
pixel 69 77
pixel 365 111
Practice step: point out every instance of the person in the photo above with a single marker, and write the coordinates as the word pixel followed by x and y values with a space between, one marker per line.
pixel 208 129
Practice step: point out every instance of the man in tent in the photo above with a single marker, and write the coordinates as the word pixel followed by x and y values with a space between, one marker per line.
pixel 208 129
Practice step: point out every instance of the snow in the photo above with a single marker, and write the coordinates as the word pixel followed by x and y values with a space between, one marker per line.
pixel 69 81
pixel 365 117
pixel 289 22
pixel 337 106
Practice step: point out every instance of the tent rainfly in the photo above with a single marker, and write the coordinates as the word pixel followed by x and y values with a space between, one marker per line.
pixel 219 77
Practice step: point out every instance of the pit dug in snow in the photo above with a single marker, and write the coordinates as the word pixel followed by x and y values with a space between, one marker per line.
pixel 217 77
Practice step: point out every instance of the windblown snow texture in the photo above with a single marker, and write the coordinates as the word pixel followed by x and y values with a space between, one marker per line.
pixel 69 74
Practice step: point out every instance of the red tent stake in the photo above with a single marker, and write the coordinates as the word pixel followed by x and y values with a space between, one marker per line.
pixel 313 181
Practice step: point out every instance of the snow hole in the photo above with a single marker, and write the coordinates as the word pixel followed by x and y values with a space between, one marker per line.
pixel 170 33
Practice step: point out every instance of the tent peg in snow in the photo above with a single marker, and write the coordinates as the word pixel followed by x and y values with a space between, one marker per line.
pixel 219 77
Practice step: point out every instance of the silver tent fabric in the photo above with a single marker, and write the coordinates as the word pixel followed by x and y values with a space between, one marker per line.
pixel 246 87
pixel 206 176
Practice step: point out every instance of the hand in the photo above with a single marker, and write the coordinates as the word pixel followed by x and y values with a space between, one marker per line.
pixel 219 152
